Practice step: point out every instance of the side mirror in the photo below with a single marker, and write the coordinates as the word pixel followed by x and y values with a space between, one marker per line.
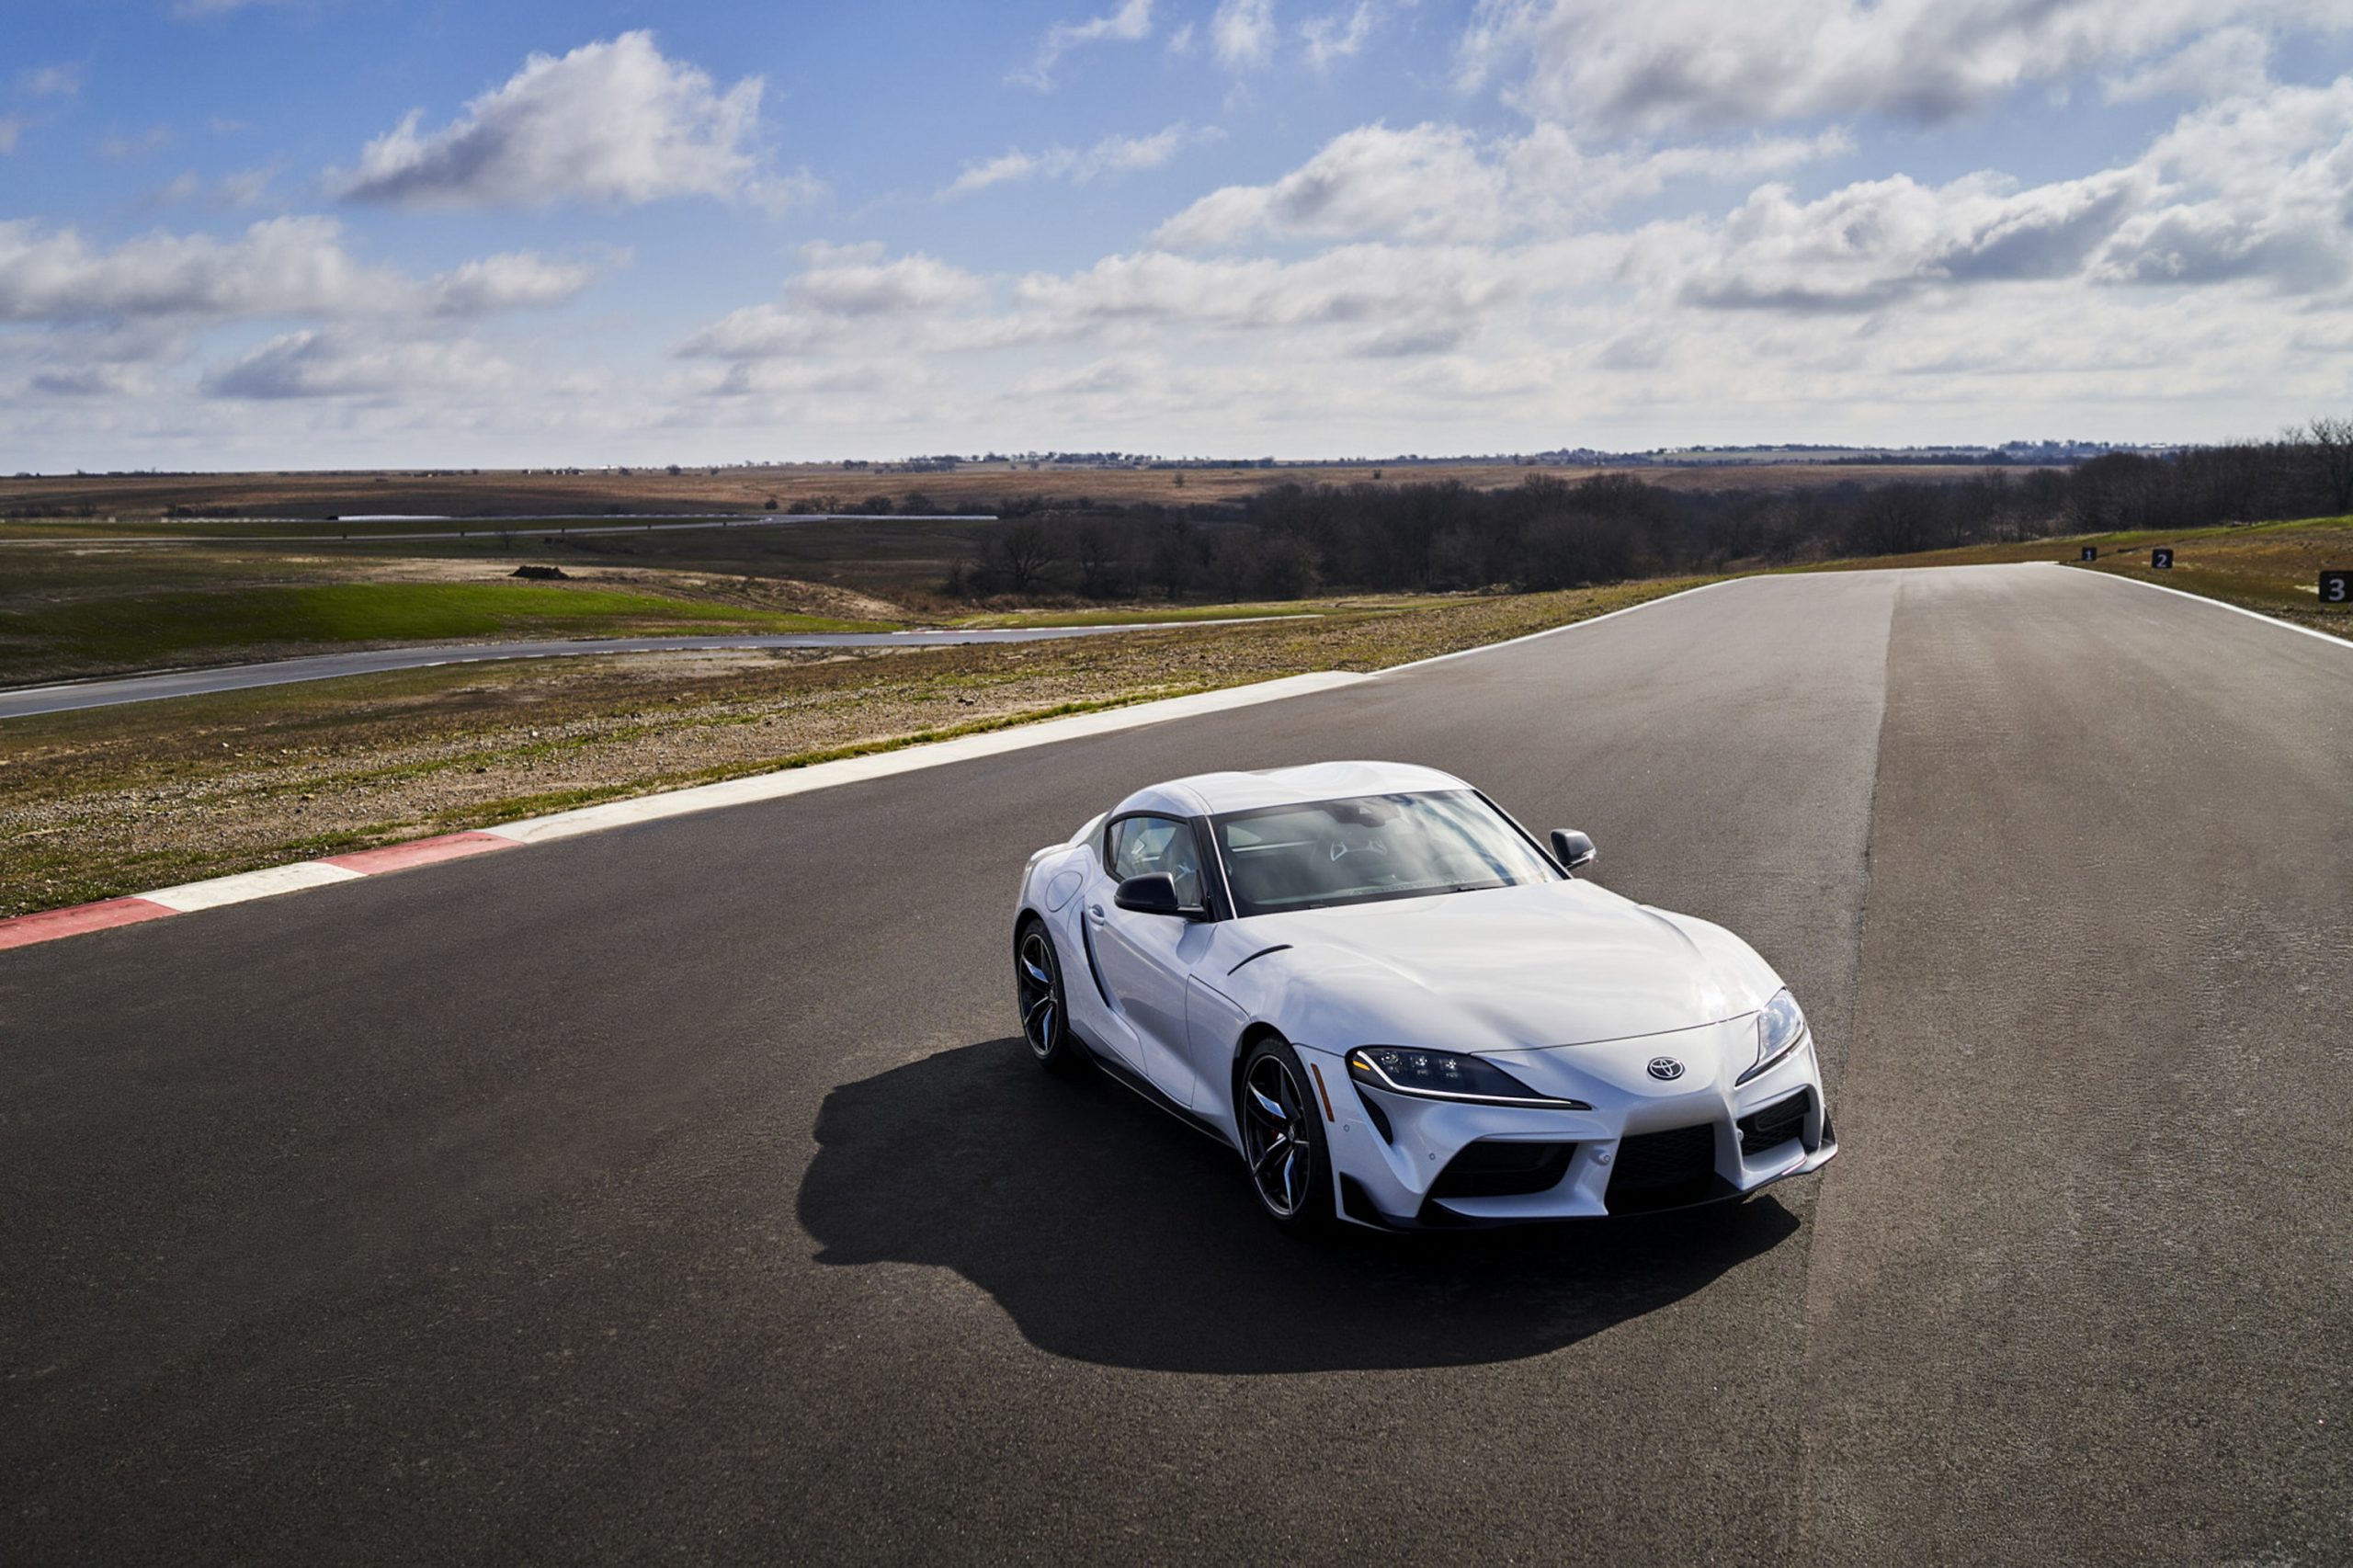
pixel 1573 849
pixel 1154 892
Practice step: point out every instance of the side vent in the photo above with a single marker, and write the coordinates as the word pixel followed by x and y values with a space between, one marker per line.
pixel 1095 971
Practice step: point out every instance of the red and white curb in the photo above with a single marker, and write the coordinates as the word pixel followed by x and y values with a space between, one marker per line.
pixel 50 923
pixel 26 929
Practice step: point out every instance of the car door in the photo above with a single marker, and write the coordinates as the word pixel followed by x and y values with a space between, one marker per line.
pixel 1145 959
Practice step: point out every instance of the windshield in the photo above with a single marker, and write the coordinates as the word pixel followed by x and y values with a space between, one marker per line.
pixel 1370 847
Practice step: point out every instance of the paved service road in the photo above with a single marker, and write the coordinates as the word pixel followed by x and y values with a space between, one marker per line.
pixel 680 1192
pixel 18 702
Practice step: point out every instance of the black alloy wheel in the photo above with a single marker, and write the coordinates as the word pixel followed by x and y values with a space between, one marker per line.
pixel 1282 1141
pixel 1037 991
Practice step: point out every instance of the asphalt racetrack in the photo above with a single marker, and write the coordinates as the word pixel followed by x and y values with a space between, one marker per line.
pixel 682 1192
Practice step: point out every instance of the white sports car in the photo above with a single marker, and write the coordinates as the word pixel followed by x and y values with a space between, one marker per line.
pixel 1403 1012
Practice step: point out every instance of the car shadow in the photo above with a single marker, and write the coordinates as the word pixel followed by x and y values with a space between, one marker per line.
pixel 1113 1233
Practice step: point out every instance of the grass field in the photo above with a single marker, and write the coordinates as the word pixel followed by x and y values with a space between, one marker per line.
pixel 96 635
pixel 510 493
pixel 112 801
pixel 115 800
pixel 2271 567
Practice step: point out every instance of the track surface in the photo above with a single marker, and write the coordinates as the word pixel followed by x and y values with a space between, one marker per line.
pixel 20 702
pixel 677 1192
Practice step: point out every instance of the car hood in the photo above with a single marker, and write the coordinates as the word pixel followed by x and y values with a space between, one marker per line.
pixel 1547 964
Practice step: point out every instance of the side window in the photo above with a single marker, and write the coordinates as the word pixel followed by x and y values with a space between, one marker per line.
pixel 1140 845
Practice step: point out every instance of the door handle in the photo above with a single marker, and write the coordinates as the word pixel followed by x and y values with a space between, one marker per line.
pixel 1094 912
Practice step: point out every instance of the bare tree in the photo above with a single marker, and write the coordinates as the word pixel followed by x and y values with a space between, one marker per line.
pixel 2331 440
pixel 1025 550
pixel 1091 548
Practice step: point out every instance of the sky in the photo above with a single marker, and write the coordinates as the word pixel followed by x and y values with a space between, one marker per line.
pixel 316 234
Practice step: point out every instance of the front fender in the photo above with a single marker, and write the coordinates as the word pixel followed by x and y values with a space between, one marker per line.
pixel 1742 973
pixel 1336 1000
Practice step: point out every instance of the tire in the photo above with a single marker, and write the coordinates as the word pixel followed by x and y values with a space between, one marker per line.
pixel 1284 1150
pixel 1040 1000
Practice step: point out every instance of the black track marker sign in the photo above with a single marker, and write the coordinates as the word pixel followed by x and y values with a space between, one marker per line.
pixel 2091 552
pixel 2161 559
pixel 2336 587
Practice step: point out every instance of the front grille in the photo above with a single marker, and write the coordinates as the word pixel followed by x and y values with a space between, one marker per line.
pixel 1776 1124
pixel 1495 1169
pixel 1662 1170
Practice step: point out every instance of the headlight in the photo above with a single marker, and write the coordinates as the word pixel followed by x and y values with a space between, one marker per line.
pixel 1780 1027
pixel 1444 1075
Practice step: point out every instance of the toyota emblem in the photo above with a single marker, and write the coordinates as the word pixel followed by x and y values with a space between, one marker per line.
pixel 1666 1069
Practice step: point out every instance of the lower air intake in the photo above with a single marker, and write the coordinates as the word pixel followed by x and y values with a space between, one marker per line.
pixel 1776 1124
pixel 1662 1170
pixel 1495 1169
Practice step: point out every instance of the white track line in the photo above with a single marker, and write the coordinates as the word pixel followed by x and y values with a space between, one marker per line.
pixel 1556 630
pixel 935 754
pixel 2234 610
pixel 265 883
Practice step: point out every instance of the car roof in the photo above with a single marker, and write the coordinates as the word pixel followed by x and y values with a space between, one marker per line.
pixel 1213 794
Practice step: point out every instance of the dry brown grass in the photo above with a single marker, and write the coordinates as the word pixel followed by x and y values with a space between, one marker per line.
pixel 2273 568
pixel 512 494
pixel 115 800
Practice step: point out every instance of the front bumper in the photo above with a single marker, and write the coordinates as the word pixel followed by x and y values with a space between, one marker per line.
pixel 1640 1149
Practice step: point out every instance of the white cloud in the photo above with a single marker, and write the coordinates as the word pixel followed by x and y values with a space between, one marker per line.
pixel 1116 156
pixel 1181 41
pixel 335 365
pixel 615 122
pixel 1130 23
pixel 1243 32
pixel 290 265
pixel 191 10
pixel 843 290
pixel 120 148
pixel 281 267
pixel 1678 64
pixel 1493 307
pixel 1011 164
pixel 239 187
pixel 2222 63
pixel 1441 181
pixel 1351 286
pixel 93 381
pixel 51 82
pixel 1421 285
pixel 2256 188
pixel 1419 183
pixel 1871 243
pixel 11 126
pixel 245 187
pixel 2251 190
pixel 1336 35
pixel 872 287
pixel 514 280
pixel 1107 159
pixel 762 332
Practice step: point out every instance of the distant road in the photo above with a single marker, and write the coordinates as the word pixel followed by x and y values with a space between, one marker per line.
pixel 479 527
pixel 22 703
